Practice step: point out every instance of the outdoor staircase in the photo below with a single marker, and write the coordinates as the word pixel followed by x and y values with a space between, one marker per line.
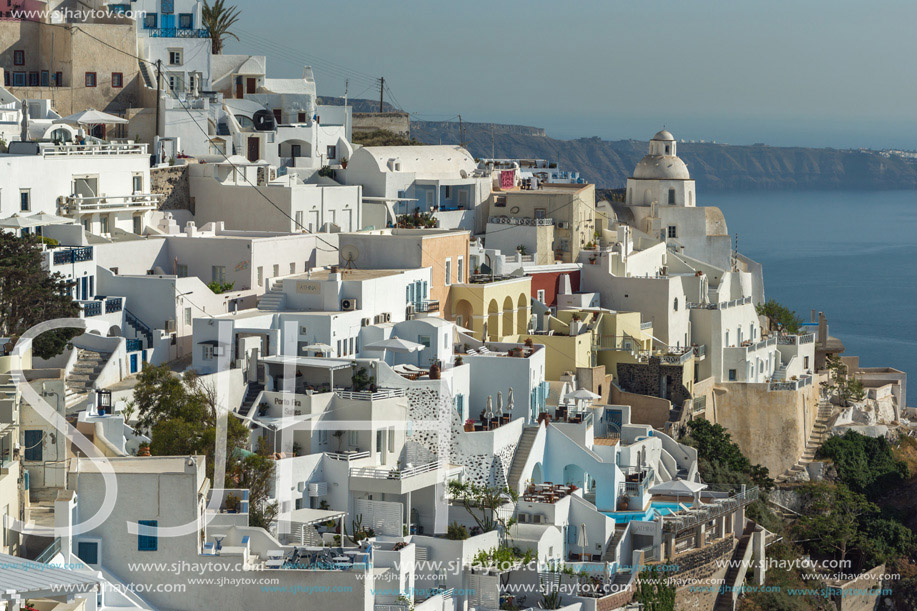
pixel 84 373
pixel 735 575
pixel 139 327
pixel 146 71
pixel 274 299
pixel 523 450
pixel 251 395
pixel 609 555
pixel 819 433
pixel 310 536
pixel 780 373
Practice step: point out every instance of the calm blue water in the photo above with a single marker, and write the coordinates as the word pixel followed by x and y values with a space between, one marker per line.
pixel 665 509
pixel 850 254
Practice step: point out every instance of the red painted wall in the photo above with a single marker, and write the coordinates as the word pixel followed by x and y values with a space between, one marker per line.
pixel 549 282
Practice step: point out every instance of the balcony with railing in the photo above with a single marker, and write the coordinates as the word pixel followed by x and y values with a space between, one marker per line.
pixel 105 149
pixel 176 32
pixel 427 305
pixel 793 385
pixel 511 220
pixel 136 202
pixel 719 306
pixel 64 256
pixel 101 305
pixel 795 340
pixel 683 520
pixel 397 480
pixel 376 395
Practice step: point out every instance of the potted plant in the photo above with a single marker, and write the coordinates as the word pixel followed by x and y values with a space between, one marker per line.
pixel 623 503
pixel 530 343
pixel 469 425
pixel 344 162
pixel 435 371
pixel 144 449
pixel 459 360
pixel 232 503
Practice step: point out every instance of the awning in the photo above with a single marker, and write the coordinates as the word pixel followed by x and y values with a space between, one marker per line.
pixel 308 361
pixel 313 516
pixel 677 487
pixel 21 578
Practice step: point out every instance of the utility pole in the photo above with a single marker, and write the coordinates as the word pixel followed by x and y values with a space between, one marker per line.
pixel 461 132
pixel 346 86
pixel 381 91
pixel 493 154
pixel 158 93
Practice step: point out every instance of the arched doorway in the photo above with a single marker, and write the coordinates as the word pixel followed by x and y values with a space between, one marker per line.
pixel 114 331
pixel 522 315
pixel 493 321
pixel 508 311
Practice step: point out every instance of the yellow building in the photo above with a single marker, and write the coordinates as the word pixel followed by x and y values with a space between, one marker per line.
pixel 495 311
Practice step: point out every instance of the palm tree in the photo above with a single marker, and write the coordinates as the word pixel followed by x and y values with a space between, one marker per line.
pixel 218 18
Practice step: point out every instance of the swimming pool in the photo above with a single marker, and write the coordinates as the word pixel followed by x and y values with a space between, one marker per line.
pixel 623 517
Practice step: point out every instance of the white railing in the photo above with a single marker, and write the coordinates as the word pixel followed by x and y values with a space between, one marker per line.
pixel 802 382
pixel 137 201
pixel 347 456
pixel 399 474
pixel 511 220
pixel 719 306
pixel 94 149
pixel 385 393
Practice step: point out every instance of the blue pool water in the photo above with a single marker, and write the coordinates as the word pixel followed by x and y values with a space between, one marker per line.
pixel 623 517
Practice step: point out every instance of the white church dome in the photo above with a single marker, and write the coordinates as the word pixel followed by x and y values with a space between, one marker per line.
pixel 662 167
pixel 664 136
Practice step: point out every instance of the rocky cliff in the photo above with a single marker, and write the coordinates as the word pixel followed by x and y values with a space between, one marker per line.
pixel 715 167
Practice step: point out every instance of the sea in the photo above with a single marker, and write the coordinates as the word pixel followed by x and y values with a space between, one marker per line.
pixel 850 254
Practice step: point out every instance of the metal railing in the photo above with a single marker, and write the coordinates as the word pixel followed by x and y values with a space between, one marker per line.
pixel 511 220
pixel 700 351
pixel 802 382
pixel 427 305
pixel 77 203
pixel 793 340
pixel 679 522
pixel 134 345
pixel 79 254
pixel 719 306
pixel 384 393
pixel 646 325
pixel 699 404
pixel 399 474
pixel 91 308
pixel 49 552
pixel 62 150
pixel 176 32
pixel 113 304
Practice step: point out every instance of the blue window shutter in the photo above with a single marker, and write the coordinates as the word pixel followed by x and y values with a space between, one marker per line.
pixel 88 551
pixel 33 443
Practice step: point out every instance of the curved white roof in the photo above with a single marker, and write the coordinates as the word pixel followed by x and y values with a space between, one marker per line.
pixel 664 135
pixel 435 161
pixel 665 167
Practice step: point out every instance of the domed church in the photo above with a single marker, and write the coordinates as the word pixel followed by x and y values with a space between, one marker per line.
pixel 661 177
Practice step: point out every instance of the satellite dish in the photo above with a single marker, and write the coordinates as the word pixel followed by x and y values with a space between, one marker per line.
pixel 264 121
pixel 349 254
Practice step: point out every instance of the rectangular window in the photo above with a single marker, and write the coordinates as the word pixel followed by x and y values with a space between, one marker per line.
pixel 292 268
pixel 33 441
pixel 90 79
pixel 354 438
pixel 673 232
pixel 19 58
pixel 103 224
pixel 147 539
pixel 167 7
pixel 185 21
pixel 117 80
pixel 33 79
pixel 19 79
pixel 260 271
pixel 332 152
pixel 218 274
pixel 276 270
pixel 138 225
pixel 301 117
pixel 463 197
pixel 6 78
pixel 805 362
pixel 732 375
pixel 208 352
pixel 460 270
pixel 150 21
pixel 187 316
pixel 45 78
pixel 448 272
pixel 500 201
pixel 424 339
pixel 25 200
pixel 540 295
pixel 671 196
pixel 88 551
pixel 175 57
pixel 447 192
pixel 137 183
pixel 58 79
pixel 182 270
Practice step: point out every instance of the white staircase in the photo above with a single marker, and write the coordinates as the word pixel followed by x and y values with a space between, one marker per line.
pixel 819 433
pixel 523 450
pixel 84 373
pixel 274 299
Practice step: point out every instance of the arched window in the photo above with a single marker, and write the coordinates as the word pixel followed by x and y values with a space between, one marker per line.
pixel 675 304
pixel 671 196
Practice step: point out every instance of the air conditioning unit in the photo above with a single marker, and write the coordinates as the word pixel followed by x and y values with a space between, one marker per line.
pixel 563 225
pixel 318 489
pixel 170 325
pixel 365 322
pixel 387 317
pixel 348 305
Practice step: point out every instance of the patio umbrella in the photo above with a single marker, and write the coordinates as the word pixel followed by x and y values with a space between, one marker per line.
pixel 91 117
pixel 581 541
pixel 19 222
pixel 318 347
pixel 489 409
pixel 581 395
pixel 509 401
pixel 678 488
pixel 395 344
pixel 50 219
pixel 499 403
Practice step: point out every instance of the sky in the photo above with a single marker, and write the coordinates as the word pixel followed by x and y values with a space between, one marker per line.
pixel 787 73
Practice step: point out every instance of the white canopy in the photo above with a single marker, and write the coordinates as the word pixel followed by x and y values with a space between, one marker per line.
pixel 43 218
pixel 395 344
pixel 19 222
pixel 677 487
pixel 582 395
pixel 91 117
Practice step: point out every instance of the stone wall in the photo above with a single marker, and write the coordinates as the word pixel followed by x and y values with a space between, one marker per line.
pixel 771 427
pixel 645 379
pixel 644 409
pixel 396 122
pixel 698 572
pixel 861 594
pixel 173 183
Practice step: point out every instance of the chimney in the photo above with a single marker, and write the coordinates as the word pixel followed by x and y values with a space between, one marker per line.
pixel 822 329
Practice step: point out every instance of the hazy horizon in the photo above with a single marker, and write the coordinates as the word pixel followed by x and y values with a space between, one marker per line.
pixel 819 74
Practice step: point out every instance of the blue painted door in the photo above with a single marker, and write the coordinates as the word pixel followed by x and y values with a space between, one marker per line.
pixel 84 287
pixel 134 363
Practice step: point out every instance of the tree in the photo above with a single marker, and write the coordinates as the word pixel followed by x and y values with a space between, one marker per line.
pixel 831 522
pixel 29 296
pixel 482 503
pixel 845 388
pixel 864 464
pixel 780 317
pixel 218 19
pixel 256 473
pixel 720 459
pixel 654 592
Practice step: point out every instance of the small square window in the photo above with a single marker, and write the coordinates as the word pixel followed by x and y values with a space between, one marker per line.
pixel 150 21
pixel 88 551
pixel 90 79
pixel 185 21
pixel 25 200
pixel 732 375
pixel 19 79
pixel 175 58
pixel 19 58
pixel 33 79
pixel 332 152
pixel 117 80
pixel 673 231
